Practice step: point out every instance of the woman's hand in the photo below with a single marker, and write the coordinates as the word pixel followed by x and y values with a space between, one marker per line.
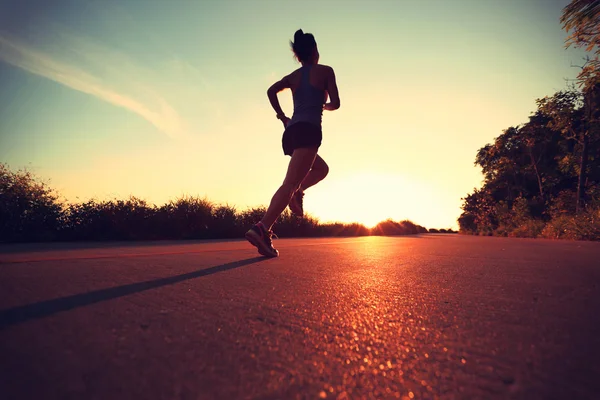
pixel 329 107
pixel 285 120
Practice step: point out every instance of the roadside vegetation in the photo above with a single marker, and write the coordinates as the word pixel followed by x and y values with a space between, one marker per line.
pixel 542 177
pixel 30 210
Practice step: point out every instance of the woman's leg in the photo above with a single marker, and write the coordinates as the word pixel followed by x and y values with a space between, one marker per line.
pixel 317 173
pixel 300 165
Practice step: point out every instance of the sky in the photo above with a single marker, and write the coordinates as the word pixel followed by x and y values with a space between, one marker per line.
pixel 108 99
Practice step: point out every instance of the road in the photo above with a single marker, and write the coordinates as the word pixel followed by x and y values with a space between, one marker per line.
pixel 432 316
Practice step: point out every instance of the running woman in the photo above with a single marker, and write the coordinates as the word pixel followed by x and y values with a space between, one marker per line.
pixel 310 85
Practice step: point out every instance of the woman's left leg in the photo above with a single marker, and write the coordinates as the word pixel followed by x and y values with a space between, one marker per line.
pixel 299 167
pixel 316 174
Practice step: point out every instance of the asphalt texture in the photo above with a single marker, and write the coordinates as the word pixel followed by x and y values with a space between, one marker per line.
pixel 425 317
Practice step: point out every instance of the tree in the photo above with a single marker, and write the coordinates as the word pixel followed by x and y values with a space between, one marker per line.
pixel 550 166
pixel 499 162
pixel 568 112
pixel 541 143
pixel 582 19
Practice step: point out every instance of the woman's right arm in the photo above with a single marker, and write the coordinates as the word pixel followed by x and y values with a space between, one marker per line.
pixel 332 90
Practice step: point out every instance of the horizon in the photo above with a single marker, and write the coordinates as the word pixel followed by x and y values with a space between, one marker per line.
pixel 170 100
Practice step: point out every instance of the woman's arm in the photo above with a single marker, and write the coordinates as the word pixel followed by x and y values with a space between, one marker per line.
pixel 332 90
pixel 272 94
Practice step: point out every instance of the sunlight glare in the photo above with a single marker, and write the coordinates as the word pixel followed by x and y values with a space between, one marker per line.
pixel 369 198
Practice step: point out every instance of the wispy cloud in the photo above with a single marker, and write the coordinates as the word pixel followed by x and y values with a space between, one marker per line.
pixel 100 72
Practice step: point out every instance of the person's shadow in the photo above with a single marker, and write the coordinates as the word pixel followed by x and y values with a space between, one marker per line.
pixel 45 308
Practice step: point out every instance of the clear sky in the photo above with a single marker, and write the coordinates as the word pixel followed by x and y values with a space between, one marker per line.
pixel 160 99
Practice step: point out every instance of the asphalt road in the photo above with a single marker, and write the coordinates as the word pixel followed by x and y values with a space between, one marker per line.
pixel 434 316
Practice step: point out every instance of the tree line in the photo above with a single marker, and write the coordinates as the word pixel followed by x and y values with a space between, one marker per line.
pixel 542 177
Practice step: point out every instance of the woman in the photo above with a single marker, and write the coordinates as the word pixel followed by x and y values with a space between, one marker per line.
pixel 310 85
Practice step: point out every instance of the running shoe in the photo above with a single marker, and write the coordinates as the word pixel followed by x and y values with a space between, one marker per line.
pixel 261 238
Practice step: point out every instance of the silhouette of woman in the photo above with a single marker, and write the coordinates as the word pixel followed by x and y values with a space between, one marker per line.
pixel 310 85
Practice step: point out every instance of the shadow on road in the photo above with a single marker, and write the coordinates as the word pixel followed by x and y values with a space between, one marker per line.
pixel 9 248
pixel 46 308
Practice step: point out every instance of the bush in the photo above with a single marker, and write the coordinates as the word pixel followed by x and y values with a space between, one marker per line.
pixel 562 204
pixel 530 228
pixel 30 211
pixel 560 227
pixel 251 216
pixel 188 217
pixel 338 229
pixel 585 226
pixel 225 223
pixel 391 228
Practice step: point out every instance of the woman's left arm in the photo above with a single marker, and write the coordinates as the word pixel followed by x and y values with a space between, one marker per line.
pixel 272 94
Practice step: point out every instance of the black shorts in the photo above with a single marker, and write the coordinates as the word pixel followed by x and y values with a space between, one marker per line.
pixel 301 134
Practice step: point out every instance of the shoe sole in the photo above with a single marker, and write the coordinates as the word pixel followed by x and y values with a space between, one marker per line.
pixel 256 241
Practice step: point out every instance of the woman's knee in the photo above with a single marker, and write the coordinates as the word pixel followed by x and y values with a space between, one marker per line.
pixel 322 169
pixel 325 169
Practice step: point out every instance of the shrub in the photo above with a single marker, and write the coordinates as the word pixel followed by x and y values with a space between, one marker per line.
pixel 189 217
pixel 29 209
pixel 530 228
pixel 251 216
pixel 225 223
pixel 391 228
pixel 585 226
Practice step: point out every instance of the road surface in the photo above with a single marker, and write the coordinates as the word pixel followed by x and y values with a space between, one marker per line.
pixel 432 316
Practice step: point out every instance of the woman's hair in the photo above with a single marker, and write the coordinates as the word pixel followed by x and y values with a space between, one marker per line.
pixel 303 45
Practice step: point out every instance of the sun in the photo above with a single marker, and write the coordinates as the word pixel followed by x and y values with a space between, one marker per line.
pixel 370 219
pixel 367 198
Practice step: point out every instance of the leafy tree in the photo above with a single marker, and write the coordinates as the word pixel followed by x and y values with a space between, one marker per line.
pixel 567 114
pixel 582 19
pixel 545 169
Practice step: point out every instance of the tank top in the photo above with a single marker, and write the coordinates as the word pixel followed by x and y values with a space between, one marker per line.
pixel 308 101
